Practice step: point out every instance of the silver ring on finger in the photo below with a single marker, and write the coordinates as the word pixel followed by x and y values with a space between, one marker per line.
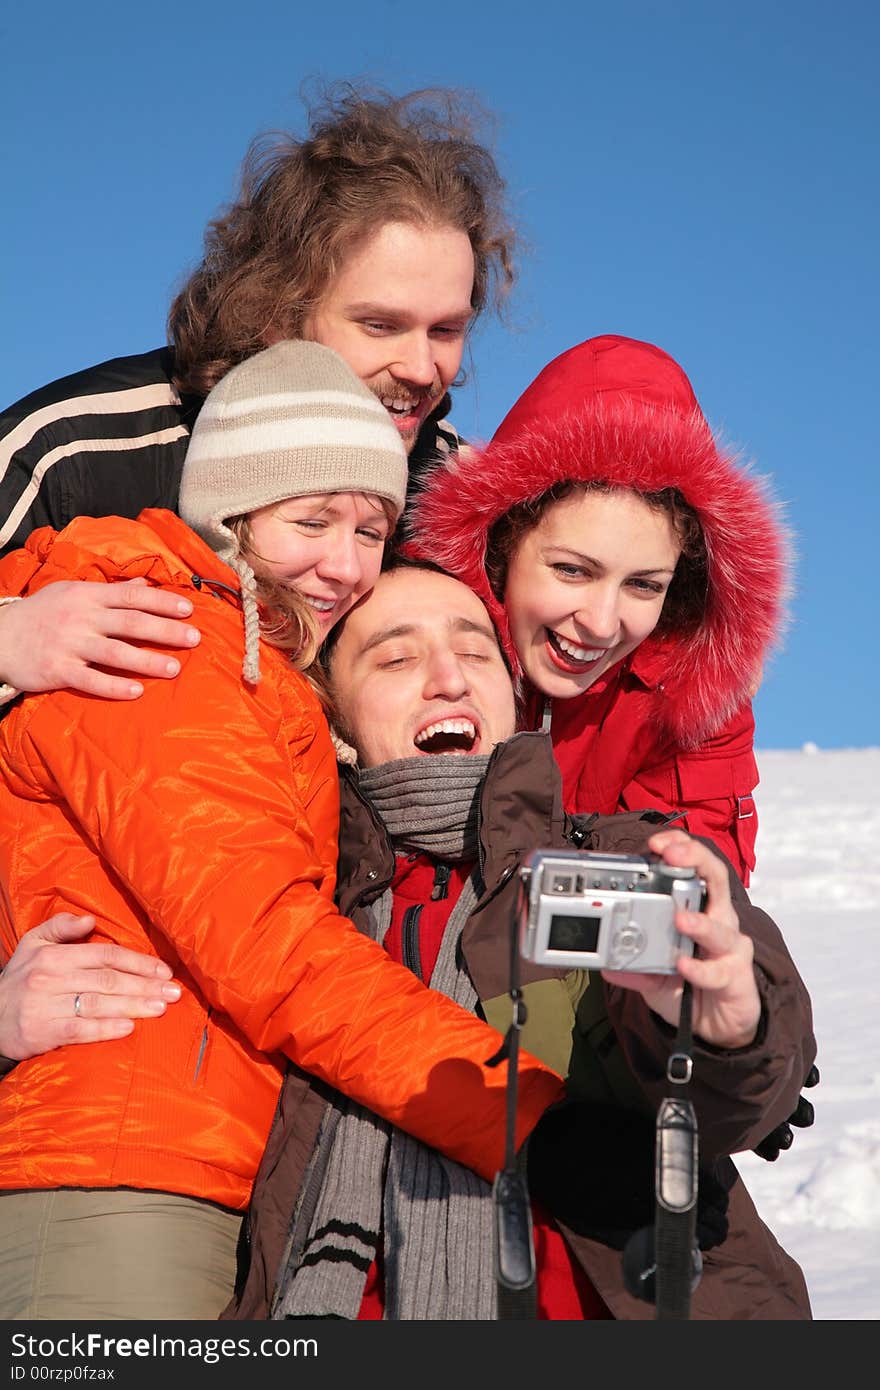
pixel 77 1004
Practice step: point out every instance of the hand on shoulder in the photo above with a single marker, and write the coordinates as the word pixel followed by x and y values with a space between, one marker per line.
pixel 75 635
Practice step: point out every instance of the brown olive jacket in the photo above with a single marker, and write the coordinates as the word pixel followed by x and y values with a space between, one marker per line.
pixel 605 1039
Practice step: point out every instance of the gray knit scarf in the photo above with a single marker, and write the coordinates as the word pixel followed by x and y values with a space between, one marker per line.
pixel 428 804
pixel 368 1182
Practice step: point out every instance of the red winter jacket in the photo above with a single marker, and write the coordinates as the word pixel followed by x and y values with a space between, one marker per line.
pixel 671 726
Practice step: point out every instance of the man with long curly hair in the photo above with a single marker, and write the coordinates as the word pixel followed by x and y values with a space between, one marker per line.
pixel 381 233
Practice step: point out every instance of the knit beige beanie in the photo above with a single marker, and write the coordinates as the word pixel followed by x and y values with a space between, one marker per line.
pixel 289 421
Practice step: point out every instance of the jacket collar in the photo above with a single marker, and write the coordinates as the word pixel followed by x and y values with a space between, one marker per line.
pixel 520 810
pixel 643 668
pixel 192 554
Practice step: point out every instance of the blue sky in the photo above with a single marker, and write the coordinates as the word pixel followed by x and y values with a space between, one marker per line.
pixel 701 175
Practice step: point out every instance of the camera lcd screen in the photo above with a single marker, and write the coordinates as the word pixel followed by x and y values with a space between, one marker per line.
pixel 573 933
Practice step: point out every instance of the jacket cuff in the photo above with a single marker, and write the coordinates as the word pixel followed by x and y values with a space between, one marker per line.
pixel 699 1045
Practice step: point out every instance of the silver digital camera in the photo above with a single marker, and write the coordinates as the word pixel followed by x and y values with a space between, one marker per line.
pixel 605 911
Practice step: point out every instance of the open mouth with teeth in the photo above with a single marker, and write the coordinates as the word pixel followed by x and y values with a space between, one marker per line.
pixel 323 607
pixel 569 656
pixel 402 410
pixel 448 736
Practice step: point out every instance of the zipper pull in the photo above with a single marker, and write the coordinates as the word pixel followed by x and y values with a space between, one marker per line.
pixel 441 882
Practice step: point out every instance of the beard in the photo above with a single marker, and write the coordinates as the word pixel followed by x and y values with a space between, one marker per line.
pixel 422 403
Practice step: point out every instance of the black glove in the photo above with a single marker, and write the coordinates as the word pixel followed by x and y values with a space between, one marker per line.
pixel 592 1167
pixel 802 1117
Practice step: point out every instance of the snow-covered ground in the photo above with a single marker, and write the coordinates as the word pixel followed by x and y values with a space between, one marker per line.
pixel 818 876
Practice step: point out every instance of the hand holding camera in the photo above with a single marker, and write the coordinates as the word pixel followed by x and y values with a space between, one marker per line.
pixel 726 1002
pixel 648 923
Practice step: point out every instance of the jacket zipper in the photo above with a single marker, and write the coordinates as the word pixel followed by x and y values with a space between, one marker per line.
pixel 410 940
pixel 442 874
pixel 202 1046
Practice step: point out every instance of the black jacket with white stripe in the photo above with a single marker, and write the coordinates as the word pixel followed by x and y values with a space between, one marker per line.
pixel 111 440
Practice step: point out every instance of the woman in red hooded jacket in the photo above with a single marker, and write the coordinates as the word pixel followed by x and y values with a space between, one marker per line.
pixel 638 574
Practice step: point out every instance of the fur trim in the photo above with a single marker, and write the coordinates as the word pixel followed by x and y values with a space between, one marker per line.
pixel 630 443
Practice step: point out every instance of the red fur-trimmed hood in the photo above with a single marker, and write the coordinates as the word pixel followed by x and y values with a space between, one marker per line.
pixel 623 412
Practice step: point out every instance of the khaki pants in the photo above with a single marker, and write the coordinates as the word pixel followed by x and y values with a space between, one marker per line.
pixel 82 1255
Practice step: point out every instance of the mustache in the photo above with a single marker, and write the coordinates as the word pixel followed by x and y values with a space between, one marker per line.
pixel 387 386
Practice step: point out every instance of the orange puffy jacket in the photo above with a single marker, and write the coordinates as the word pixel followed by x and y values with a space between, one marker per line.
pixel 199 823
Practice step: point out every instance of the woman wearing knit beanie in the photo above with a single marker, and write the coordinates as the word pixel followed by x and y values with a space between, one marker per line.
pixel 199 825
pixel 638 574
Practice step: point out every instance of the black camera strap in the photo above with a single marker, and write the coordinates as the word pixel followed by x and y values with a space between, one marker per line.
pixel 676 1178
pixel 666 1274
pixel 512 1211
